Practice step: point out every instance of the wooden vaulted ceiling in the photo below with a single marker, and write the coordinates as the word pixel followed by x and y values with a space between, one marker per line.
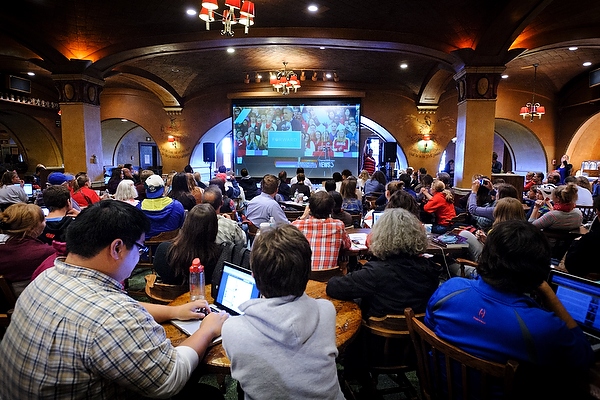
pixel 154 45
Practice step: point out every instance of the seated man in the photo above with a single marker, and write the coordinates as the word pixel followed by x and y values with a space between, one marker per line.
pixel 76 334
pixel 249 185
pixel 494 318
pixel 307 181
pixel 165 214
pixel 283 346
pixel 229 230
pixel 61 213
pixel 325 234
pixel 263 207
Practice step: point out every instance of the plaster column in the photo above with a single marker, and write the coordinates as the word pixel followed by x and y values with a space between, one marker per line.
pixel 80 124
pixel 477 92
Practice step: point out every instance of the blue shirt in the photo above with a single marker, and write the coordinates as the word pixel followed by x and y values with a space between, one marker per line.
pixel 501 326
pixel 262 208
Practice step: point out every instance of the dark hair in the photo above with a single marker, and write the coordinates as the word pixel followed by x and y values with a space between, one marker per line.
pixel 426 180
pixel 406 179
pixel 337 200
pixel 188 169
pixel 507 261
pixel 346 173
pixel 403 199
pixel 330 185
pixel 195 239
pixel 179 184
pixel 379 177
pixel 244 172
pixel 98 225
pixel 506 190
pixel 321 204
pixel 299 170
pixel 218 183
pixel 280 261
pixel 348 189
pixel 282 176
pixel 337 177
pixel 269 184
pixel 7 177
pixel 300 178
pixel 422 170
pixel 213 196
pixel 56 197
pixel 596 203
pixel 394 186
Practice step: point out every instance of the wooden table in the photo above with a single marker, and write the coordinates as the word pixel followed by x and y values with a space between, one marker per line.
pixel 347 322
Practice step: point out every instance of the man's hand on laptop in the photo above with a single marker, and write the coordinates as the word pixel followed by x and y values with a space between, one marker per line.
pixel 194 310
pixel 213 322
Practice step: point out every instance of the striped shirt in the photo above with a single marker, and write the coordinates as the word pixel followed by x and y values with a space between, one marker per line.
pixel 326 238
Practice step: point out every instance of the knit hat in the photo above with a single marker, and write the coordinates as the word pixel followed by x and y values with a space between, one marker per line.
pixel 155 186
pixel 58 178
pixel 546 190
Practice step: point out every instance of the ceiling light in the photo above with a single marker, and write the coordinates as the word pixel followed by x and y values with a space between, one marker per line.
pixel 533 109
pixel 504 76
pixel 191 11
pixel 246 14
pixel 322 47
pixel 328 75
pixel 573 48
pixel 313 8
pixel 231 50
pixel 404 65
pixel 587 64
pixel 31 73
pixel 123 120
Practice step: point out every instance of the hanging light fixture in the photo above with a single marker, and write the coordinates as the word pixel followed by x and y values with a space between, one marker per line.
pixel 533 109
pixel 228 17
pixel 285 80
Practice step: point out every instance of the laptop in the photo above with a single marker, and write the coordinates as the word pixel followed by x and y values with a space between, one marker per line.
pixel 581 298
pixel 28 187
pixel 236 286
pixel 376 216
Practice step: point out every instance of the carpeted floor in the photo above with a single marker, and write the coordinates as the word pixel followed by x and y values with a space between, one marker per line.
pixel 135 289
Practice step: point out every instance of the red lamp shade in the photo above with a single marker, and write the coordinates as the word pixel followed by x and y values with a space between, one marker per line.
pixel 170 138
pixel 247 9
pixel 205 14
pixel 524 111
pixel 293 79
pixel 541 110
pixel 233 4
pixel 210 4
pixel 283 80
pixel 273 79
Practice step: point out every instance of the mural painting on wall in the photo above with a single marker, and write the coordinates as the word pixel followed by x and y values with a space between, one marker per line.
pixel 174 149
pixel 425 134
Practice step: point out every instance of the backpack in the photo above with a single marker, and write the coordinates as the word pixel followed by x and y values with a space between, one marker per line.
pixel 235 254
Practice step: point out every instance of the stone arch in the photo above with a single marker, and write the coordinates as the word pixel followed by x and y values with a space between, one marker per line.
pixel 585 142
pixel 526 150
pixel 120 141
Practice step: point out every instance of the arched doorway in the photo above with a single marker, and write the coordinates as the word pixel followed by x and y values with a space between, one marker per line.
pixel 585 142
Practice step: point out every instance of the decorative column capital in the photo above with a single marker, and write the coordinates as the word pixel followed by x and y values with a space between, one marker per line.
pixel 478 83
pixel 78 88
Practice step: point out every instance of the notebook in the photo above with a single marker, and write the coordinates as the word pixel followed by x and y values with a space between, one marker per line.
pixel 237 285
pixel 581 298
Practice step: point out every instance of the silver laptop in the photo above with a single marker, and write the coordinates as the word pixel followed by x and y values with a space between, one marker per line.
pixel 581 298
pixel 236 286
pixel 376 216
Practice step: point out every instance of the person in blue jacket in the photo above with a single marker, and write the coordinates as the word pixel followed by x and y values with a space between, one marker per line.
pixel 165 214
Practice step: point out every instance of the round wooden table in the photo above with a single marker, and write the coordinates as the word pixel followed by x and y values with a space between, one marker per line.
pixel 347 323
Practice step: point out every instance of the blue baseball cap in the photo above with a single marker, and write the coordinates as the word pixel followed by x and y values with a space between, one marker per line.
pixel 58 178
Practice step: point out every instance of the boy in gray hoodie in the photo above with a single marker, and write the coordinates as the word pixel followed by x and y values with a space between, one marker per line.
pixel 283 346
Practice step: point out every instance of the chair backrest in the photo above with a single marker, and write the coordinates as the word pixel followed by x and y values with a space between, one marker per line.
pixel 147 261
pixel 8 299
pixel 445 371
pixel 323 275
pixel 560 241
pixel 293 215
pixel 587 212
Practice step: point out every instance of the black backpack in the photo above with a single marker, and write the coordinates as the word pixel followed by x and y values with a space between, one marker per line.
pixel 235 254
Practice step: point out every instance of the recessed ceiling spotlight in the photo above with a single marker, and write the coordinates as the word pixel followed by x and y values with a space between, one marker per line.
pixel 504 76
pixel 328 75
pixel 231 50
pixel 174 69
pixel 573 48
pixel 123 120
pixel 191 11
pixel 313 8
pixel 31 73
pixel 322 47
pixel 404 65
pixel 587 64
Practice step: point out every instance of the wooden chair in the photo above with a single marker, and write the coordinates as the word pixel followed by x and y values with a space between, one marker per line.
pixel 8 299
pixel 445 371
pixel 161 292
pixel 293 215
pixel 251 230
pixel 152 244
pixel 387 349
pixel 356 220
pixel 560 241
pixel 323 275
pixel 588 213
pixel 463 262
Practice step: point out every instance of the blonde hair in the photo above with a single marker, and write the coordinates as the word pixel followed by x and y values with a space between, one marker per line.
pixel 397 231
pixel 126 190
pixel 21 219
pixel 440 186
pixel 364 175
pixel 508 209
pixel 565 194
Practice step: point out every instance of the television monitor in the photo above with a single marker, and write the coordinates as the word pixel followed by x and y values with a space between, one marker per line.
pixel 322 136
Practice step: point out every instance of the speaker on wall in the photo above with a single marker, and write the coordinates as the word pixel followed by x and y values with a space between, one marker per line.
pixel 209 152
pixel 389 151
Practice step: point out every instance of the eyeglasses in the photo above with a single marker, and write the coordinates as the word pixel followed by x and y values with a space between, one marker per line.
pixel 141 248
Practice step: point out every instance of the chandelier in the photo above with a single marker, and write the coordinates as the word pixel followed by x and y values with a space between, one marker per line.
pixel 533 109
pixel 285 80
pixel 228 17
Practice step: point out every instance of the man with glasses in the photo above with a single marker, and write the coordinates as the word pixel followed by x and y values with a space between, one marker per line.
pixel 76 334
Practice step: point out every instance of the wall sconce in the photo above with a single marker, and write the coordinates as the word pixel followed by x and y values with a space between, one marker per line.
pixel 171 139
pixel 336 78
pixel 314 77
pixel 302 76
pixel 257 77
pixel 425 145
pixel 247 78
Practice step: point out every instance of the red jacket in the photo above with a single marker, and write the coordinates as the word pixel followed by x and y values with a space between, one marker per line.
pixel 442 210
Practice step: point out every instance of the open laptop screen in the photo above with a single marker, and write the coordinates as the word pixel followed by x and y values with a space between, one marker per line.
pixel 28 187
pixel 237 285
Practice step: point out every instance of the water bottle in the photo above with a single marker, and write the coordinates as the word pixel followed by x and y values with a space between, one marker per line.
pixel 196 280
pixel 271 221
pixel 296 195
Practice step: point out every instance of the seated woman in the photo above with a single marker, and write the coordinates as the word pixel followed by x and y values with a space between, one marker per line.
pixel 299 187
pixel 403 199
pixel 20 250
pixel 400 277
pixel 564 216
pixel 196 238
pixel 376 184
pixel 181 191
pixel 338 213
pixel 441 205
pixel 495 318
pixel 351 203
pixel 126 192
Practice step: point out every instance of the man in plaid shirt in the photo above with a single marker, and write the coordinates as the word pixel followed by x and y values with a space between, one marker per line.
pixel 325 234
